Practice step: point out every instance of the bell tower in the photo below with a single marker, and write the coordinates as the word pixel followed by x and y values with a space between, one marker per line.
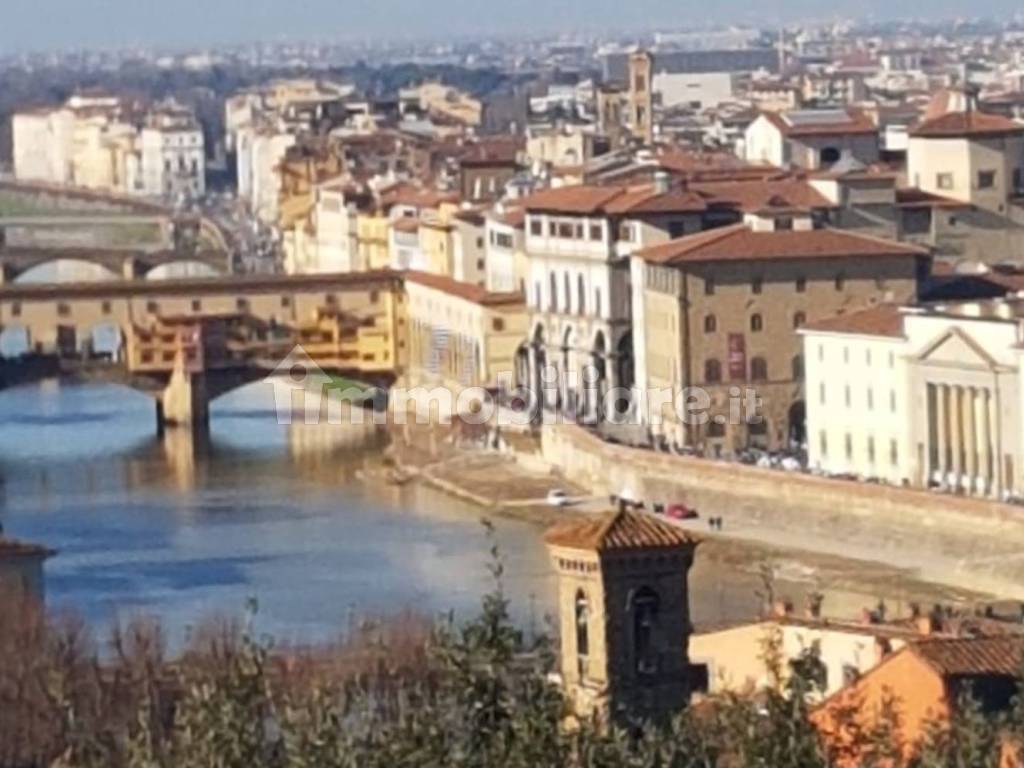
pixel 641 96
pixel 624 615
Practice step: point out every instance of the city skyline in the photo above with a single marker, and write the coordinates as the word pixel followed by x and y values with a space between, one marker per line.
pixel 191 23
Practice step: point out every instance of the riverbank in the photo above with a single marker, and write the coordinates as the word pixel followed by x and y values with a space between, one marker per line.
pixel 513 484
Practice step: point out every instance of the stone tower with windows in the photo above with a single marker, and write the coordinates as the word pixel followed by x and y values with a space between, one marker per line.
pixel 641 96
pixel 624 615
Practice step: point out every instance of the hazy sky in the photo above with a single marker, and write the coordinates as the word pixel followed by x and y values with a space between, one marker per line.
pixel 44 24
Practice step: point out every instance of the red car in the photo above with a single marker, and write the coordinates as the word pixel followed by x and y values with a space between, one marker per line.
pixel 681 512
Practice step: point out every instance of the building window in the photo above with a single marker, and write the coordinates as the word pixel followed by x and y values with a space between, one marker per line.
pixel 871 450
pixel 568 293
pixel 536 227
pixel 944 180
pixel 582 609
pixel 758 369
pixel 16 309
pixel 798 368
pixel 847 397
pixel 821 393
pixel 986 179
pixel 498 324
pixel 553 296
pixel 537 301
pixel 894 453
pixel 286 301
pixel 645 621
pixel 710 324
pixel 849 447
pixel 784 224
pixel 821 353
pixel 846 355
pixel 106 308
pixel 626 232
pixel 552 229
pixel 871 399
pixel 330 299
pixel 800 320
pixel 581 295
pixel 597 302
pixel 757 285
pixel 565 230
pixel 840 281
pixel 152 307
pixel 712 371
pixel 596 232
pixel 867 357
pixel 756 323
pixel 63 310
pixel 823 442
pixel 242 305
pixel 709 286
pixel 892 400
pixel 197 305
pixel 801 285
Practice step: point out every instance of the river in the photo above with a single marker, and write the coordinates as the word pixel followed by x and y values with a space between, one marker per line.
pixel 147 526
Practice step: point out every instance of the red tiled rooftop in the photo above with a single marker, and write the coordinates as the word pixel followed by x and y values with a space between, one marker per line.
pixel 740 243
pixel 588 199
pixel 960 124
pixel 969 657
pixel 882 320
pixel 468 291
pixel 759 195
pixel 618 532
pixel 858 123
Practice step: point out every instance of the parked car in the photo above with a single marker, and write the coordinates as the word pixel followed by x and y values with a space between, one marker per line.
pixel 681 512
pixel 558 498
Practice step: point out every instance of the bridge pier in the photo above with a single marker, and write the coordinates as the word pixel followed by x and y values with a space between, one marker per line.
pixel 130 269
pixel 185 401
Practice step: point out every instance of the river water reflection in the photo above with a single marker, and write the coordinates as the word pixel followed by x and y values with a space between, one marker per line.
pixel 145 525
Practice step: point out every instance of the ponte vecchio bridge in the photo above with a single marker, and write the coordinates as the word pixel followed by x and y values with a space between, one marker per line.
pixel 187 341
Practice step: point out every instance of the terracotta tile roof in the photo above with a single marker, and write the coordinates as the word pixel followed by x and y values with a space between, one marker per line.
pixel 969 657
pixel 510 217
pixel 912 197
pixel 882 320
pixel 468 291
pixel 760 195
pixel 973 123
pixel 857 123
pixel 9 548
pixel 739 243
pixel 619 531
pixel 406 224
pixel 614 200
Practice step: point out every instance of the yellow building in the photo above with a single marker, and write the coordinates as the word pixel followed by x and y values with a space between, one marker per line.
pixel 372 239
pixel 461 335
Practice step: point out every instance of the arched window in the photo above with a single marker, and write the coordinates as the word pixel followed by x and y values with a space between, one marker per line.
pixel 756 323
pixel 710 324
pixel 597 302
pixel 568 294
pixel 553 296
pixel 645 625
pixel 582 609
pixel 581 293
pixel 829 156
pixel 798 368
pixel 799 320
pixel 759 369
pixel 712 371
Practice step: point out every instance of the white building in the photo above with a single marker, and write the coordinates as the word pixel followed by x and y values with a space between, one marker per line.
pixel 923 396
pixel 811 139
pixel 173 155
pixel 505 257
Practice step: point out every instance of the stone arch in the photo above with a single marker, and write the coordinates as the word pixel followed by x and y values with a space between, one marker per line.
pixel 48 270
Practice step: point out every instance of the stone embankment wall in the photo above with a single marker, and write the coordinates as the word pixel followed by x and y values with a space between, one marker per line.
pixel 969 543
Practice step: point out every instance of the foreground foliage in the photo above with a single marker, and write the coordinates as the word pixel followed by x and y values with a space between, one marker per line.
pixel 396 694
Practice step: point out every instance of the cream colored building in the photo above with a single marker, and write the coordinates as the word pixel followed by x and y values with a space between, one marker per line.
pixel 942 404
pixel 461 335
pixel 810 138
pixel 972 157
pixel 735 657
pixel 445 101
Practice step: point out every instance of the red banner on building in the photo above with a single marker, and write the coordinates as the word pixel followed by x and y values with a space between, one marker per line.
pixel 737 357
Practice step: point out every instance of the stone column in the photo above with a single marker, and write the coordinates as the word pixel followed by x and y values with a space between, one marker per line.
pixel 984 441
pixel 184 402
pixel 942 424
pixel 956 413
pixel 970 440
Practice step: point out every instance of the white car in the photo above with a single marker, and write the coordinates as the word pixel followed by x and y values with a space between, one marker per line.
pixel 558 498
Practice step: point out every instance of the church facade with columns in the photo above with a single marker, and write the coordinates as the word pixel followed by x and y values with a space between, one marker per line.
pixel 925 397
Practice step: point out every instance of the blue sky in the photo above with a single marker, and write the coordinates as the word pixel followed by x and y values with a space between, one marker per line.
pixel 44 24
